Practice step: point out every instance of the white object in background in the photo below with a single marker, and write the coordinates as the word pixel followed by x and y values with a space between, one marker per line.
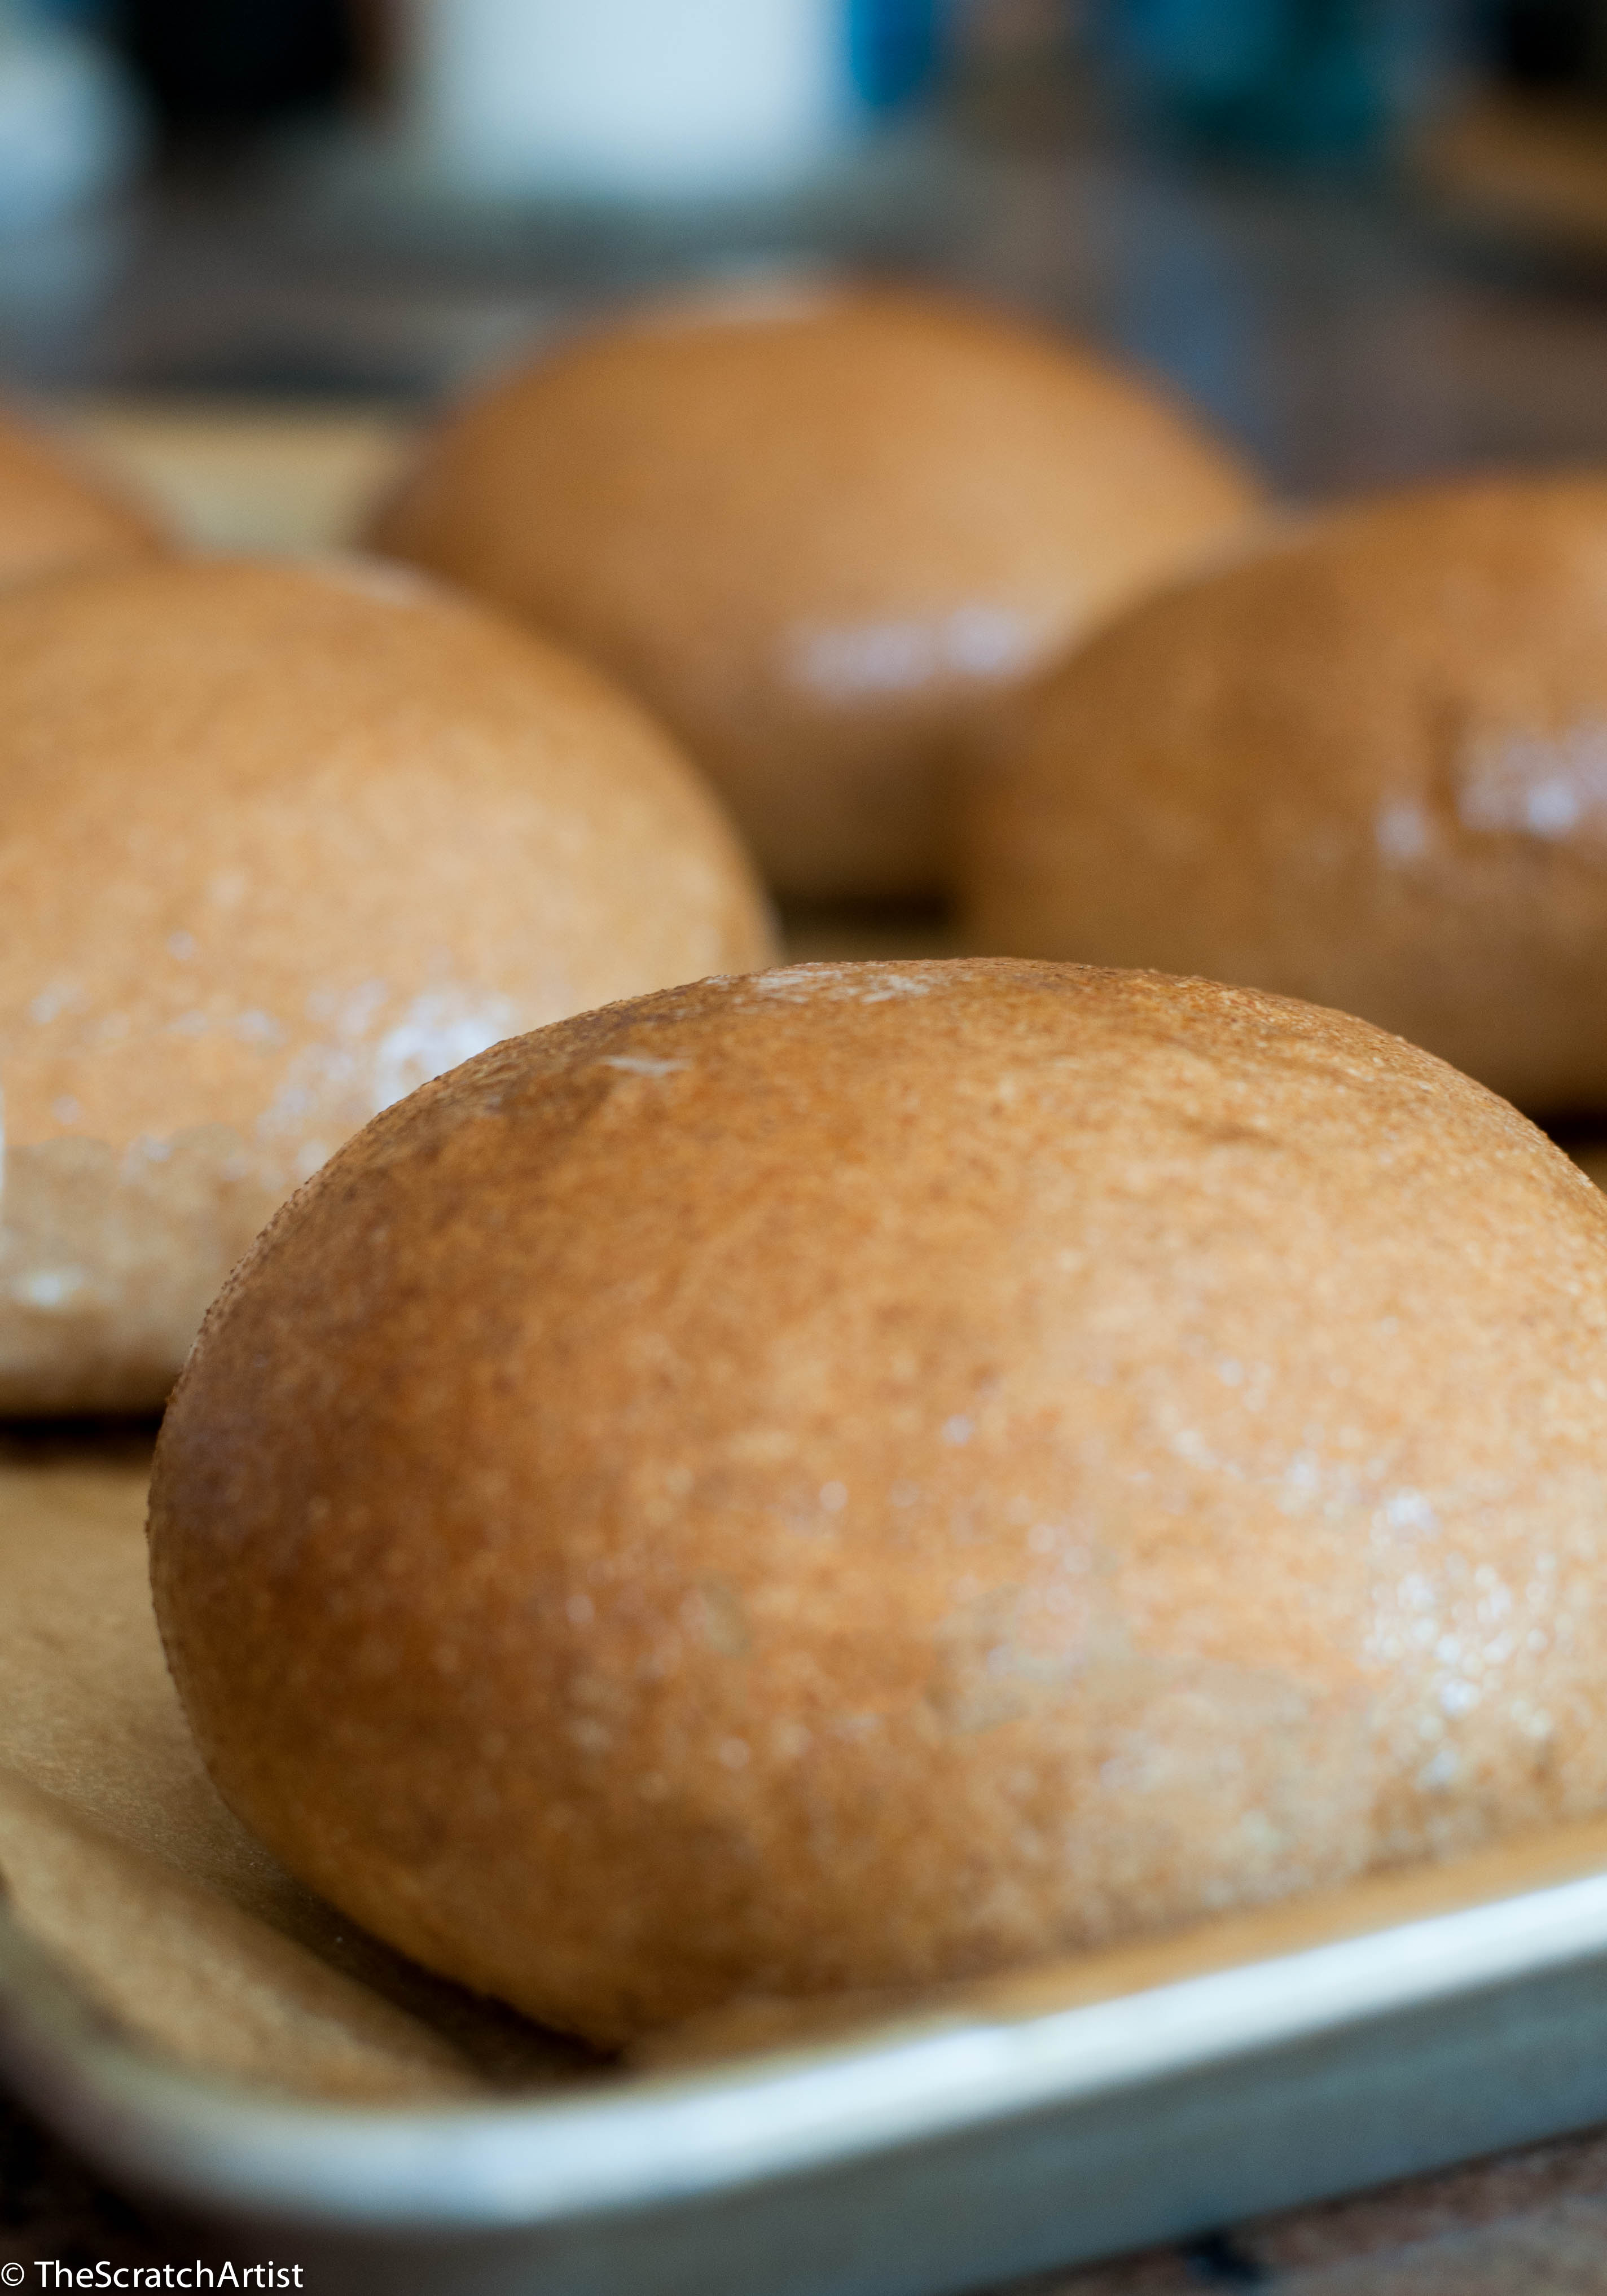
pixel 69 124
pixel 626 96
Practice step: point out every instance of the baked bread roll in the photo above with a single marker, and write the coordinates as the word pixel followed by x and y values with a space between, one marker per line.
pixel 812 529
pixel 56 515
pixel 871 1473
pixel 1367 765
pixel 277 843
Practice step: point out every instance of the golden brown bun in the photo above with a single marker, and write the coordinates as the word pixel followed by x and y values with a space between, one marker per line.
pixel 812 529
pixel 871 1473
pixel 276 843
pixel 56 515
pixel 1367 765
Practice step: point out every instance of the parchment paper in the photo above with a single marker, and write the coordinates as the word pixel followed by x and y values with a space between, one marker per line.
pixel 118 1856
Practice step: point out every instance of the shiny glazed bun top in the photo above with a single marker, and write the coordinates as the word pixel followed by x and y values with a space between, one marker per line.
pixel 868 1473
pixel 812 527
pixel 56 515
pixel 277 843
pixel 1367 765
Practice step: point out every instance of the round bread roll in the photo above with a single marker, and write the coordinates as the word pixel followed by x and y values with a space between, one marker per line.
pixel 812 529
pixel 1366 766
pixel 277 843
pixel 56 515
pixel 872 1473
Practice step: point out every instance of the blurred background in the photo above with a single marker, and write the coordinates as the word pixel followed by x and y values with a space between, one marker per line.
pixel 1368 236
pixel 247 243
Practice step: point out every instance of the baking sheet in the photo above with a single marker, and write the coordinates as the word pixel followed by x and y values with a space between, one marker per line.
pixel 206 2030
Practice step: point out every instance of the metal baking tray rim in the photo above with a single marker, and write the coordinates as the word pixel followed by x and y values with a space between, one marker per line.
pixel 636 2141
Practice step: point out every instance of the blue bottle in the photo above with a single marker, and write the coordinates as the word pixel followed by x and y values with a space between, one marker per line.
pixel 894 50
pixel 1300 79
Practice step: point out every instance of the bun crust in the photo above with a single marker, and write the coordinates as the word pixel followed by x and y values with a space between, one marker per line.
pixel 1367 765
pixel 276 843
pixel 814 531
pixel 869 1474
pixel 56 516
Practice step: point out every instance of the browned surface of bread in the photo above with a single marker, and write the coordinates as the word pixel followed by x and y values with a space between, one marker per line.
pixel 1366 766
pixel 812 528
pixel 873 1473
pixel 277 841
pixel 57 514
